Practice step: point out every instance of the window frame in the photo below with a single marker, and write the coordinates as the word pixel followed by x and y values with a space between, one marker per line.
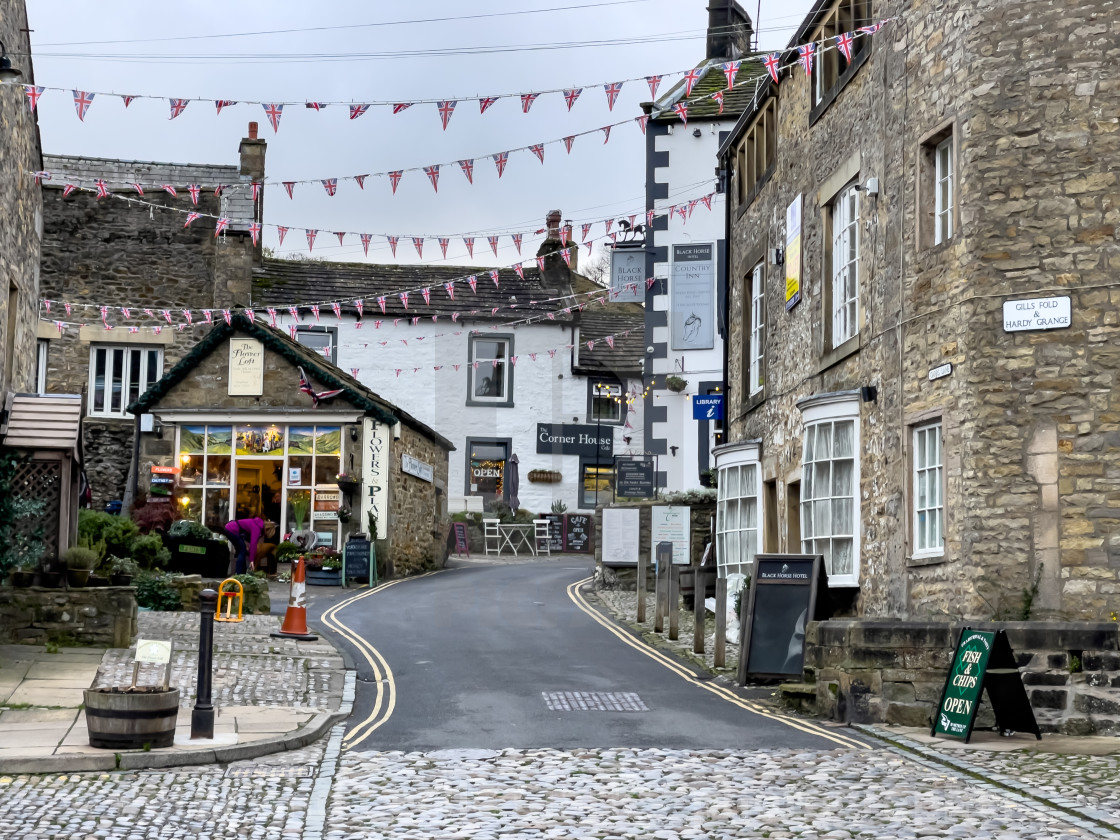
pixel 843 228
pixel 831 409
pixel 126 380
pixel 756 337
pixel 738 457
pixel 504 401
pixel 831 71
pixel 935 478
pixel 942 214
pixel 42 350
pixel 618 399
pixel 757 152
pixel 605 469
pixel 317 329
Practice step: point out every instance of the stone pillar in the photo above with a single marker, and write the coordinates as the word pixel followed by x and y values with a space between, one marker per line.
pixel 1042 464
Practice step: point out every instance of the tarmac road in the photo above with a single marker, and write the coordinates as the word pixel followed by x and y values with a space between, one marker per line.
pixel 465 657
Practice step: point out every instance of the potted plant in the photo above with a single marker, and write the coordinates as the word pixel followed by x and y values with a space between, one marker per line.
pixel 22 574
pixel 122 570
pixel 80 561
pixel 709 478
pixel 676 384
pixel 50 575
pixel 345 514
pixel 348 482
pixel 196 551
pixel 324 568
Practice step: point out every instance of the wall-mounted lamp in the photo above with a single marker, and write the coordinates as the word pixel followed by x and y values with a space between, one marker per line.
pixel 159 432
pixel 871 187
pixel 354 434
pixel 777 256
pixel 696 132
pixel 626 440
pixel 869 393
pixel 9 75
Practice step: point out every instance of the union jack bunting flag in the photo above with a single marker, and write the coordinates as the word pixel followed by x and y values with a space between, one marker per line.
pixel 222 103
pixel 311 234
pixel 330 185
pixel 690 80
pixel 359 304
pixel 395 178
pixel 446 109
pixel 418 243
pixel 221 225
pixel 271 315
pixel 365 237
pixel 361 181
pixel 493 240
pixel 469 242
pixel 294 312
pixel 844 44
pixel 401 106
pixel 468 169
pixel 316 396
pixel 527 100
pixel 872 29
pixel 805 56
pixel 520 271
pixel 485 102
pixel 194 190
pixel 404 299
pixel 336 308
pixel 682 111
pixel 281 231
pixel 33 93
pixel 102 190
pixel 472 281
pixel 82 101
pixel 127 100
pixel 538 150
pixel 516 237
pixel 340 234
pixel 187 316
pixel 589 246
pixel 612 90
pixel 566 253
pixel 730 69
pixel 426 293
pixel 540 263
pixel 590 344
pixel 357 110
pixel 773 64
pixel 315 106
pixel 354 372
pixel 494 276
pixel 500 161
pixel 610 339
pixel 565 232
pixel 654 82
pixel 256 188
pixel 608 223
pixel 649 217
pixel 170 190
pixel 443 242
pixel 289 186
pixel 449 287
pixel 433 175
pixel 167 315
pixel 381 303
pixel 586 228
pixel 315 311
pixel 255 231
pixel 568 141
pixel 191 217
pixel 208 315
pixel 641 121
pixel 219 189
pixel 571 95
pixel 718 97
pixel 606 133
pixel 177 107
pixel 393 240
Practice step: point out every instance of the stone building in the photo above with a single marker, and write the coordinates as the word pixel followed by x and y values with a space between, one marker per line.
pixel 127 255
pixel 234 435
pixel 923 282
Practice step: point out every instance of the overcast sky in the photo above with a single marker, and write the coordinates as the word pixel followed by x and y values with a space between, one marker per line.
pixel 341 51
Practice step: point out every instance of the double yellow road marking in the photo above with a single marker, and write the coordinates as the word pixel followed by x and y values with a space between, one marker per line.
pixel 716 689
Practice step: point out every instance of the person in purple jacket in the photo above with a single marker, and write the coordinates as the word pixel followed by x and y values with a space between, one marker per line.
pixel 240 530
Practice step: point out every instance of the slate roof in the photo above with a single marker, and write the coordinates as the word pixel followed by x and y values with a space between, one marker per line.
pixel 600 320
pixel 319 370
pixel 700 105
pixel 119 175
pixel 282 282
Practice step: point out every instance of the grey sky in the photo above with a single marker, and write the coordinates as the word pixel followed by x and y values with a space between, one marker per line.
pixel 594 182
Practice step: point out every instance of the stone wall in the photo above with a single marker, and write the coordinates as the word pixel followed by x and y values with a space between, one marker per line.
pixel 417 541
pixel 1030 420
pixel 103 616
pixel 190 589
pixel 21 208
pixel 893 672
pixel 700 515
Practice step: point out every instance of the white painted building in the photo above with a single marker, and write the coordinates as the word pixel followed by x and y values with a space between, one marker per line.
pixel 685 313
pixel 533 391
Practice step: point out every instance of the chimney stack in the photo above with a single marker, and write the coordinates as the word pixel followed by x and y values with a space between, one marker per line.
pixel 552 222
pixel 730 31
pixel 252 154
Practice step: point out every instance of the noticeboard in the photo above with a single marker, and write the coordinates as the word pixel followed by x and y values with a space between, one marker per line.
pixel 577 532
pixel 783 600
pixel 634 477
pixel 462 543
pixel 555 531
pixel 356 558
pixel 983 661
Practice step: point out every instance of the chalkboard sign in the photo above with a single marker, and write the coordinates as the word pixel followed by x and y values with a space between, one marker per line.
pixel 984 660
pixel 462 543
pixel 555 531
pixel 577 532
pixel 356 558
pixel 783 600
pixel 634 477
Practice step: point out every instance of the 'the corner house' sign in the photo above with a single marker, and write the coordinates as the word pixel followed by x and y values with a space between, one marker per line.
pixel 246 367
pixel 1036 314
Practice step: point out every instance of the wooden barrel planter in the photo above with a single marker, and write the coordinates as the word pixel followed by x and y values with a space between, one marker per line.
pixel 131 720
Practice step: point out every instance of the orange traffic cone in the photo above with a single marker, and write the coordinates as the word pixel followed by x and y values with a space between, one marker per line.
pixel 295 619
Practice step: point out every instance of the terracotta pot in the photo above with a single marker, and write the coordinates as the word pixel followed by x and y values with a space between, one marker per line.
pixel 121 580
pixel 77 578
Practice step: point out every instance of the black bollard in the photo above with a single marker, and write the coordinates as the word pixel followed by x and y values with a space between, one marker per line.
pixel 202 715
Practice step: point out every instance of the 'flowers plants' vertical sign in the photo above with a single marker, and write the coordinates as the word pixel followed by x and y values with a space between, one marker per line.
pixel 375 472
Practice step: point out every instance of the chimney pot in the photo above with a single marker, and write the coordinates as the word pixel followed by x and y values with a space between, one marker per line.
pixel 552 220
pixel 252 131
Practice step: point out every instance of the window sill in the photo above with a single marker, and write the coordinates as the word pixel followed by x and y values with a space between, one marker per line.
pixel 120 417
pixel 838 354
pixel 490 404
pixel 918 560
pixel 753 401
pixel 818 110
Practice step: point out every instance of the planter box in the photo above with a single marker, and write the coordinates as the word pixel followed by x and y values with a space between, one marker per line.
pixel 209 558
pixel 324 577
pixel 141 719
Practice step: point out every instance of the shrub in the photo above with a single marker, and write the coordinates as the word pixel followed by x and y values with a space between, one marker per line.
pixel 286 551
pixel 252 584
pixel 149 552
pixel 77 557
pixel 118 532
pixel 154 591
pixel 153 518
pixel 189 529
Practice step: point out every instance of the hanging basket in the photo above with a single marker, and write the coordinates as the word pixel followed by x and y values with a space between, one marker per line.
pixel 348 485
pixel 545 476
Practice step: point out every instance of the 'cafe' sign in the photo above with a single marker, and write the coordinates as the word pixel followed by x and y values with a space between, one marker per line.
pixel 569 439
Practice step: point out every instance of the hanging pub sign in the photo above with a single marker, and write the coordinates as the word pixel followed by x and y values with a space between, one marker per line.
pixel 628 265
pixel 984 660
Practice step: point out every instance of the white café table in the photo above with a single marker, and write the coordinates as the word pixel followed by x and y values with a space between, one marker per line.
pixel 514 536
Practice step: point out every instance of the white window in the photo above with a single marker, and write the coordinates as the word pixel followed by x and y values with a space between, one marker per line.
pixel 321 340
pixel 758 322
pixel 830 510
pixel 943 190
pixel 845 266
pixel 738 510
pixel 489 372
pixel 119 375
pixel 606 402
pixel 41 366
pixel 929 504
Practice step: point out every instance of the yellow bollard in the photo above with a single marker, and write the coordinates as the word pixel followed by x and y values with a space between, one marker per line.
pixel 231 595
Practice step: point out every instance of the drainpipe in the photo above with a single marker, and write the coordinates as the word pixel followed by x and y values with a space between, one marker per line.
pixel 131 488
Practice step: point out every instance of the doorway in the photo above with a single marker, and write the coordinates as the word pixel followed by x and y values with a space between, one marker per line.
pixel 260 486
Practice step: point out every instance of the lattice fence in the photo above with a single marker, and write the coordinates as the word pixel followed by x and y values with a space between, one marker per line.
pixel 39 481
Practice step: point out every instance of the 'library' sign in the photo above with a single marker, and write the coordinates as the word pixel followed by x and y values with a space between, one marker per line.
pixel 1036 314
